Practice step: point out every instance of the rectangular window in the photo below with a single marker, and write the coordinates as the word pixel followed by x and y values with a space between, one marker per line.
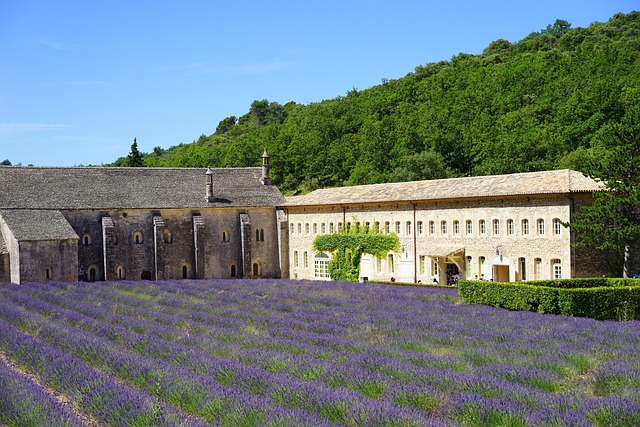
pixel 423 264
pixel 510 227
pixel 295 258
pixel 315 228
pixel 305 257
pixel 434 268
pixel 331 228
pixel 306 228
pixel 379 264
pixel 456 227
pixel 469 266
pixel 525 227
pixel 321 268
pixel 496 227
pixel 481 267
pixel 469 226
pixel 391 267
pixel 537 264
pixel 292 228
pixel 522 262
pixel 557 268
pixel 420 228
pixel 323 228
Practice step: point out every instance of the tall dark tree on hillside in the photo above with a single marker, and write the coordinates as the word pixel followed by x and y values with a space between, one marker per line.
pixel 5 163
pixel 134 159
pixel 613 220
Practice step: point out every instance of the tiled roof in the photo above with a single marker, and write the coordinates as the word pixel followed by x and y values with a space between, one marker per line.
pixel 130 188
pixel 547 182
pixel 30 225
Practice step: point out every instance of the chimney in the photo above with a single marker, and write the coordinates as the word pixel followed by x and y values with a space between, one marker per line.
pixel 209 184
pixel 266 180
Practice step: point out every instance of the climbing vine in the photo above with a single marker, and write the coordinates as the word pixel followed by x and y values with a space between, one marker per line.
pixel 348 246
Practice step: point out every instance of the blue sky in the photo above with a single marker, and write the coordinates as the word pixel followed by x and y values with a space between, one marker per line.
pixel 80 79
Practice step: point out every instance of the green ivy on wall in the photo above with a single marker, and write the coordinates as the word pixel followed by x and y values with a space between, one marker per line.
pixel 348 246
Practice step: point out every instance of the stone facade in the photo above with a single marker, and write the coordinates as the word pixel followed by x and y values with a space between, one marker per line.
pixel 68 224
pixel 495 228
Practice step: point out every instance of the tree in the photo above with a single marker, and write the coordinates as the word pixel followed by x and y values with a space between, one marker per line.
pixel 5 163
pixel 421 166
pixel 134 159
pixel 613 220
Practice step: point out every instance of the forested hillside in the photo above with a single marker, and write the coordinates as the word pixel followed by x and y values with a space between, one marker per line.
pixel 537 104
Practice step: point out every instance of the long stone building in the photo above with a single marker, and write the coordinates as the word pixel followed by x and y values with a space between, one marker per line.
pixel 101 223
pixel 502 228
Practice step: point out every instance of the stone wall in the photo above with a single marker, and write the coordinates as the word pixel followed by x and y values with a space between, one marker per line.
pixel 505 252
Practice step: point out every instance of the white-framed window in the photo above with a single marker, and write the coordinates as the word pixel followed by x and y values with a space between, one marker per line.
pixel 540 224
pixel 420 228
pixel 408 228
pixel 557 268
pixel 391 266
pixel 481 261
pixel 456 227
pixel 387 227
pixel 482 226
pixel 293 228
pixel 306 228
pixel 434 268
pixel 315 228
pixel 510 227
pixel 496 227
pixel 557 226
pixel 522 263
pixel 321 266
pixel 423 264
pixel 331 228
pixel 525 227
pixel 432 228
pixel 296 262
pixel 323 228
pixel 378 265
pixel 305 259
pixel 299 228
pixel 444 227
pixel 469 226
pixel 86 239
pixel 138 238
pixel 469 266
pixel 398 228
pixel 537 268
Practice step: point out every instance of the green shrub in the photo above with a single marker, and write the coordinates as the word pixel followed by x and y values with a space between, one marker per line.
pixel 600 298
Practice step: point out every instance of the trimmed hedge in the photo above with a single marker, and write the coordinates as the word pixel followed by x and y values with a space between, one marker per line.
pixel 601 298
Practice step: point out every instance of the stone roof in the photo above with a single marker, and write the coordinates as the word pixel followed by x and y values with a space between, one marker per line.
pixel 520 184
pixel 31 225
pixel 108 188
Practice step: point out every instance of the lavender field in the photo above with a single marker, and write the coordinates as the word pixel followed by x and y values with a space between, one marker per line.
pixel 295 353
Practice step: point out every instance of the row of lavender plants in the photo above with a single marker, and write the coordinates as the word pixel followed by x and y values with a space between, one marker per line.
pixel 276 352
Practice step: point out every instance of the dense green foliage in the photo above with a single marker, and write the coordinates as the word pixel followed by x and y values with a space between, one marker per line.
pixel 617 299
pixel 348 246
pixel 536 104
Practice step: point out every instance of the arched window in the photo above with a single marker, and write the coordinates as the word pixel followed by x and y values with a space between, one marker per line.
pixel 47 273
pixel 226 235
pixel 93 274
pixel 138 238
pixel 456 227
pixel 557 227
pixel 510 227
pixel 443 227
pixel 257 269
pixel 482 225
pixel 120 273
pixel 292 228
pixel 86 239
pixel 234 269
pixel 185 272
pixel 391 266
pixel 321 266
pixel 420 228
pixel 525 227
pixel 469 226
pixel 522 262
pixel 167 236
pixel 541 227
pixel 432 228
pixel 496 227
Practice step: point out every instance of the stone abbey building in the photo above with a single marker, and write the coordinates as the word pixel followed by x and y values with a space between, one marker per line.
pixel 102 223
